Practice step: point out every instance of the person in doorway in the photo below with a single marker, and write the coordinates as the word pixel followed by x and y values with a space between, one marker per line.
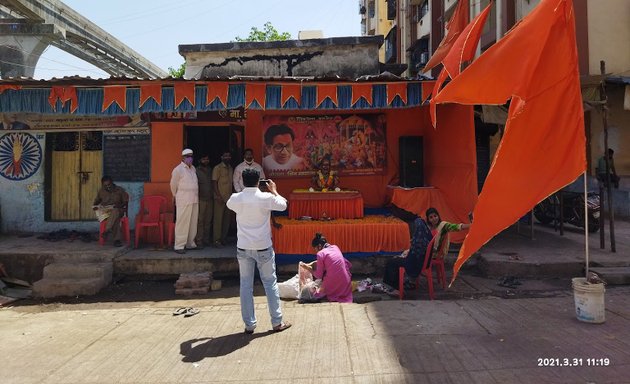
pixel 206 202
pixel 185 190
pixel 222 175
pixel 279 142
pixel 333 269
pixel 602 170
pixel 111 200
pixel 255 248
pixel 325 179
pixel 248 163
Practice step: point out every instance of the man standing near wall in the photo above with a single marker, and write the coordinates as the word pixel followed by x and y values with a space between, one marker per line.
pixel 248 163
pixel 206 203
pixel 185 190
pixel 222 176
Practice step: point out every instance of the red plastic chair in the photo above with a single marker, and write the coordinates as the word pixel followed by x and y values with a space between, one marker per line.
pixel 427 271
pixel 150 215
pixel 124 226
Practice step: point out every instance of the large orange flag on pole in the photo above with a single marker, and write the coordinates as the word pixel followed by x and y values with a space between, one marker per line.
pixel 454 27
pixel 543 147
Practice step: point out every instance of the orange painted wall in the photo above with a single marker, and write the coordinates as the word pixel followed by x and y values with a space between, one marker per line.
pixel 449 153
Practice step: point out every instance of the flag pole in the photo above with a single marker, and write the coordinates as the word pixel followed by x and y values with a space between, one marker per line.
pixel 585 224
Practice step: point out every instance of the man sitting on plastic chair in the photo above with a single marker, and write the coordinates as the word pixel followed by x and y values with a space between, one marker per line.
pixel 111 204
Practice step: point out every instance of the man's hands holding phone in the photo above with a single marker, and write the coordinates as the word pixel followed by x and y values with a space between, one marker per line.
pixel 267 185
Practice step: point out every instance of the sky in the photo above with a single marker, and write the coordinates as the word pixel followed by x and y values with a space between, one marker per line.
pixel 155 28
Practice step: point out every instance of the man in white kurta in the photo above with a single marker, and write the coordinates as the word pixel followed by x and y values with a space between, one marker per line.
pixel 248 163
pixel 185 190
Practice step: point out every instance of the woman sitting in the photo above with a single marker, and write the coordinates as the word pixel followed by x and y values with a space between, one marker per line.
pixel 325 179
pixel 333 269
pixel 439 230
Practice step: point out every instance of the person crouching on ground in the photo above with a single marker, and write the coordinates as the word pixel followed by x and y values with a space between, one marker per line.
pixel 333 269
pixel 254 247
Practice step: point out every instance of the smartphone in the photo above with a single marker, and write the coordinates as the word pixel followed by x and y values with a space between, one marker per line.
pixel 263 181
pixel 263 185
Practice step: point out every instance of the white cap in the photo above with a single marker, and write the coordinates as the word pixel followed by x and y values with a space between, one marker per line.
pixel 187 151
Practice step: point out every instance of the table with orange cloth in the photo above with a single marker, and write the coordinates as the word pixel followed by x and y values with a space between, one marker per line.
pixel 336 205
pixel 374 233
pixel 418 200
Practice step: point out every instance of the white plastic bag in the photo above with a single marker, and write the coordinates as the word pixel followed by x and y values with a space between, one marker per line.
pixel 290 289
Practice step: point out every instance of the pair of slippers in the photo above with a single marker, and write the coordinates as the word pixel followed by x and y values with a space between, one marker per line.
pixel 186 311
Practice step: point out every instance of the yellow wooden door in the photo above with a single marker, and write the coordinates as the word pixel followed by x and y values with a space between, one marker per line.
pixel 77 162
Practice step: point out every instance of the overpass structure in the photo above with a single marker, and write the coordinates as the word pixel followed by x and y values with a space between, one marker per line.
pixel 28 27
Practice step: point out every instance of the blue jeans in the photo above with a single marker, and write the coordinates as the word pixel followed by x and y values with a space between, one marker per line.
pixel 266 262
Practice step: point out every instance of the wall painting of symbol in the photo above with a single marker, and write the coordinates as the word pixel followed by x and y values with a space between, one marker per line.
pixel 20 156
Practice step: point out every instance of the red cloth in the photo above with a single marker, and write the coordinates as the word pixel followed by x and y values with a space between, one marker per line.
pixel 543 147
pixel 370 234
pixel 336 205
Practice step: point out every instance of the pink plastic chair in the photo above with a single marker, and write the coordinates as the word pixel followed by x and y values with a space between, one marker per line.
pixel 150 215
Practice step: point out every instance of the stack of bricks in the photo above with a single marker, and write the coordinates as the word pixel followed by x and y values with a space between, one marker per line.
pixel 193 283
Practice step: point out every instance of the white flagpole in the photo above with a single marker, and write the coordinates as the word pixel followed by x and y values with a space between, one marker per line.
pixel 586 224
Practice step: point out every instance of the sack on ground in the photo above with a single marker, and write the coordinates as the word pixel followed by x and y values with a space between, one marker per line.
pixel 290 289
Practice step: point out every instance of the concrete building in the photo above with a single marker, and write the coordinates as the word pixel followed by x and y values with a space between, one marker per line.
pixel 377 18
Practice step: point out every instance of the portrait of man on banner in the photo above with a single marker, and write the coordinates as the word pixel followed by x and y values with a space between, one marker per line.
pixel 295 145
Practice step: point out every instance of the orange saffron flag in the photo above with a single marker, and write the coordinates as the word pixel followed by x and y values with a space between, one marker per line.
pixel 455 26
pixel 543 147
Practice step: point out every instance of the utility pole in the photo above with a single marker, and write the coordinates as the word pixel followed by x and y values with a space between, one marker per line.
pixel 604 102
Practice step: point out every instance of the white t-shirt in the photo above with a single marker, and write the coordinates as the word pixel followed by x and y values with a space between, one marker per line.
pixel 253 216
pixel 238 174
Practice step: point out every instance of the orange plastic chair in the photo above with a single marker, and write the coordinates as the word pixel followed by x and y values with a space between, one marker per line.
pixel 427 271
pixel 124 226
pixel 150 215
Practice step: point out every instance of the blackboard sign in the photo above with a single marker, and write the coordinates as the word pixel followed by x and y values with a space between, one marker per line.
pixel 127 157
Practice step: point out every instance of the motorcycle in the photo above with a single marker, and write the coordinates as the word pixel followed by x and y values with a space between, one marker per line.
pixel 548 210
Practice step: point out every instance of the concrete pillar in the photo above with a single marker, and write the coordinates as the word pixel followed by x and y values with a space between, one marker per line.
pixel 21 45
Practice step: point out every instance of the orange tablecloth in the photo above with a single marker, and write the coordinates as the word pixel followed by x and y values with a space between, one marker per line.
pixel 370 234
pixel 337 205
pixel 418 200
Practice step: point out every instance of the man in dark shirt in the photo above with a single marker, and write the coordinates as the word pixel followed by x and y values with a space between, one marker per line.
pixel 113 200
pixel 206 203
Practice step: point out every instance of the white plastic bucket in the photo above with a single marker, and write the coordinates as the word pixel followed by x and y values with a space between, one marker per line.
pixel 589 301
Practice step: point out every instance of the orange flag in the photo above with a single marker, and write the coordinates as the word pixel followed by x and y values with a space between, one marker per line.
pixel 217 89
pixel 184 90
pixel 463 49
pixel 324 91
pixel 153 90
pixel 455 26
pixel 362 90
pixel 65 94
pixel 291 90
pixel 394 89
pixel 255 91
pixel 115 94
pixel 544 146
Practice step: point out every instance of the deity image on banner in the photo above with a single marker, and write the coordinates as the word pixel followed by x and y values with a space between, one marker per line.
pixel 295 145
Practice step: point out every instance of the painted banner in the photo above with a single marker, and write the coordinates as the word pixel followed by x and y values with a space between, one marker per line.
pixel 294 145
pixel 34 121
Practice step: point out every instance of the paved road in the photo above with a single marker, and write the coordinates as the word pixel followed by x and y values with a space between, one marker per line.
pixel 487 340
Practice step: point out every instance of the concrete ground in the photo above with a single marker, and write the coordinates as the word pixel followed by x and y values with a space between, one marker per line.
pixel 137 339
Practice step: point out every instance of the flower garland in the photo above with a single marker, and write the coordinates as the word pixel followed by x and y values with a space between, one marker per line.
pixel 325 183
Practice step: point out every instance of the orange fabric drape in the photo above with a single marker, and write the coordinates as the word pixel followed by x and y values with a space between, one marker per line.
pixel 12 87
pixel 324 91
pixel 151 90
pixel 255 91
pixel 394 89
pixel 291 90
pixel 463 49
pixel 544 146
pixel 65 94
pixel 362 90
pixel 184 90
pixel 115 94
pixel 217 89
pixel 455 26
pixel 371 234
pixel 343 205
pixel 427 87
